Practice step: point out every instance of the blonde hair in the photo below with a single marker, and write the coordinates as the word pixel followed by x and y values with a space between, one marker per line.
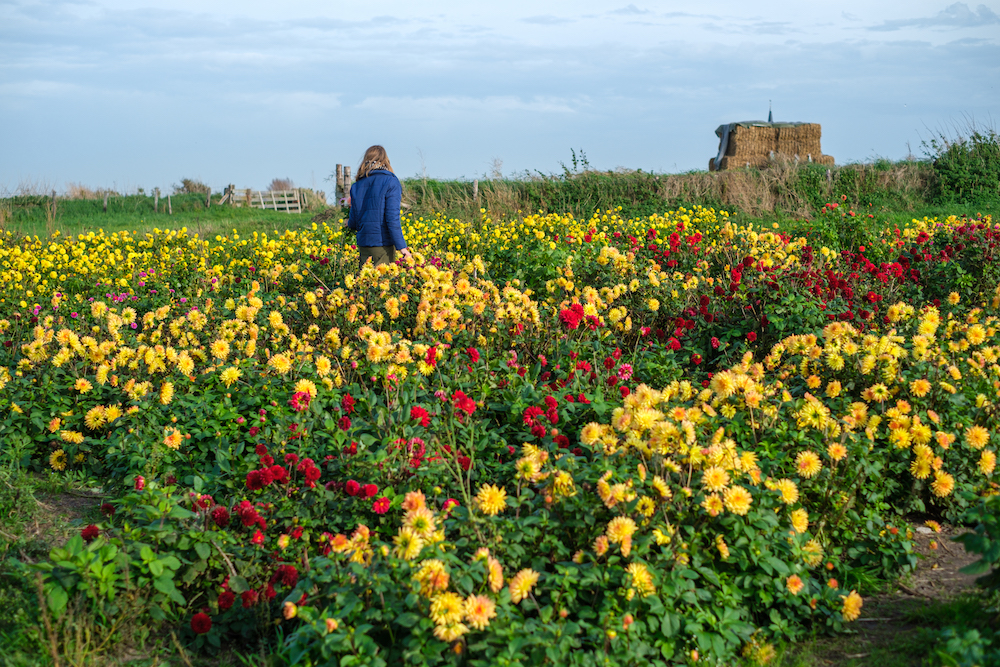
pixel 375 158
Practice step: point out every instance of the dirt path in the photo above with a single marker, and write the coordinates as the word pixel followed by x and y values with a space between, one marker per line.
pixel 897 628
pixel 53 520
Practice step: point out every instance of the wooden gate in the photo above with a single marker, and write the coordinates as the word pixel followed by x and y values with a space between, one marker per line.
pixel 290 201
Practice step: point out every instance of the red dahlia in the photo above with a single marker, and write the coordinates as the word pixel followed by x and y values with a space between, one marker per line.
pixel 201 623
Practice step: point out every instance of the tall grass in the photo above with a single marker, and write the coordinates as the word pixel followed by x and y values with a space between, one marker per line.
pixel 784 188
pixel 33 215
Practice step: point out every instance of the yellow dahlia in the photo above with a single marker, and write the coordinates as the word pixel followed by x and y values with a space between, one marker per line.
pixel 172 438
pixel 620 528
pixel 94 418
pixel 987 462
pixel 306 387
pixel 492 499
pixel 977 437
pixel 522 583
pixel 713 504
pixel 495 574
pixel 58 460
pixel 812 553
pixel 642 580
pixel 920 387
pixel 449 633
pixel 808 464
pixel 794 584
pixel 230 375
pixel 943 484
pixel 220 349
pixel 479 609
pixel 789 491
pixel 447 608
pixel 280 363
pixel 852 606
pixel 800 520
pixel 737 500
pixel 166 393
pixel 715 479
pixel 408 544
pixel 421 522
pixel 432 577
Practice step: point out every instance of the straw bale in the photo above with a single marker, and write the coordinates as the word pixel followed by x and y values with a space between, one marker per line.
pixel 759 145
pixel 746 141
pixel 798 140
pixel 738 162
pixel 729 162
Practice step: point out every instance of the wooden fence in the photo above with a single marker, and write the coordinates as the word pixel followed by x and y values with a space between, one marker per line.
pixel 290 201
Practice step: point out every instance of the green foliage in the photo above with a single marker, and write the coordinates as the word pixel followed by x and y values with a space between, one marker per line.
pixel 967 167
pixel 31 215
pixel 984 541
pixel 969 649
pixel 191 186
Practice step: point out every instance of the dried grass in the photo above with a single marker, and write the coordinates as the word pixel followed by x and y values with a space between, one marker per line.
pixel 281 184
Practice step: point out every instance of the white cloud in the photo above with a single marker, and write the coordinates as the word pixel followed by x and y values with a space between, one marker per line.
pixel 631 10
pixel 429 107
pixel 468 83
pixel 547 19
pixel 957 15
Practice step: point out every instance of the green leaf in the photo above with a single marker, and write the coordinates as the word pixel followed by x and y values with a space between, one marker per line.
pixel 408 619
pixel 239 585
pixel 979 567
pixel 670 625
pixel 58 598
pixel 178 512
pixel 778 564
pixel 203 550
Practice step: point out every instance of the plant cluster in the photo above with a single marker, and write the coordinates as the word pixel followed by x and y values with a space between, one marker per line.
pixel 662 440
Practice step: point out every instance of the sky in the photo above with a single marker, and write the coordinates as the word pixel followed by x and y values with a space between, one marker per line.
pixel 129 94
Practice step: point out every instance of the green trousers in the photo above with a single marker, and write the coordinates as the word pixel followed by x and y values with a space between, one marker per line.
pixel 378 254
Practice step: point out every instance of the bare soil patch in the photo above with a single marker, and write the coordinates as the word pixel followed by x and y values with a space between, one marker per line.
pixel 898 627
pixel 57 515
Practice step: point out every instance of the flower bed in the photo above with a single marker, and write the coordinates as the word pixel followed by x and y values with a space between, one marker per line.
pixel 657 441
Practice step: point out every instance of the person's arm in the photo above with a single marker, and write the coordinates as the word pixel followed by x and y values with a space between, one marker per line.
pixel 393 197
pixel 352 217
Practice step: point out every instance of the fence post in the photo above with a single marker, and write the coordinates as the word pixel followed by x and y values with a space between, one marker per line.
pixel 156 200
pixel 54 205
pixel 170 209
pixel 347 181
pixel 338 189
pixel 105 202
pixel 208 199
pixel 475 190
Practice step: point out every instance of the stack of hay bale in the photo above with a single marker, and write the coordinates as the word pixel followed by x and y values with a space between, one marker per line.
pixel 756 143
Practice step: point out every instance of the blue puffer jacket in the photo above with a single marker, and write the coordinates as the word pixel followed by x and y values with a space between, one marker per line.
pixel 375 210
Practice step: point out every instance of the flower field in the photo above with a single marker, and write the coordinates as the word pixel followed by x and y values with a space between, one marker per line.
pixel 660 441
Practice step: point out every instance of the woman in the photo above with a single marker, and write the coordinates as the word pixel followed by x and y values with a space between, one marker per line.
pixel 374 216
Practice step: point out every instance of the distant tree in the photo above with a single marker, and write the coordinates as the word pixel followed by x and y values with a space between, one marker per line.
pixel 281 184
pixel 191 186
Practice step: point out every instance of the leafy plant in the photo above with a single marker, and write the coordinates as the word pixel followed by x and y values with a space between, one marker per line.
pixel 967 166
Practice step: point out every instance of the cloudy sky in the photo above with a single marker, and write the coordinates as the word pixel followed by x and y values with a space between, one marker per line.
pixel 137 93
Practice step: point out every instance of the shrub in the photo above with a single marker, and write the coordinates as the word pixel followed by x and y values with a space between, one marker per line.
pixel 281 184
pixel 967 168
pixel 191 186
